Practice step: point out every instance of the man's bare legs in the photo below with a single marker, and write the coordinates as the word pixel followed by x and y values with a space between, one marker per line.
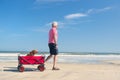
pixel 54 61
pixel 49 57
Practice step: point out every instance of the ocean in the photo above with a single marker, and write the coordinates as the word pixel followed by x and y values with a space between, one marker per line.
pixel 65 57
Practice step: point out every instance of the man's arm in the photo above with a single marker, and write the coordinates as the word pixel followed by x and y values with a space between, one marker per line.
pixel 55 36
pixel 55 39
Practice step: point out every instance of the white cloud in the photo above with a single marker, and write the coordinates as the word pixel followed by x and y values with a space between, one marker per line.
pixel 90 11
pixel 104 9
pixel 70 19
pixel 76 15
pixel 98 10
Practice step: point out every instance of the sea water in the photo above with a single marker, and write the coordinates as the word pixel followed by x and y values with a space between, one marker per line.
pixel 65 57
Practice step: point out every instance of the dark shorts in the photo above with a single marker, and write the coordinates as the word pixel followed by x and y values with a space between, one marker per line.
pixel 53 49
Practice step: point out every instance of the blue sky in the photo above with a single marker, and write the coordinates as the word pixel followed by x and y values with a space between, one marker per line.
pixel 84 25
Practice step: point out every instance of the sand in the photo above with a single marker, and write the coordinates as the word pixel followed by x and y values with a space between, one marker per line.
pixel 69 71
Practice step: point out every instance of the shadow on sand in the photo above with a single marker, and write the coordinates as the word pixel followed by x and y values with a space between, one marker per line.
pixel 14 69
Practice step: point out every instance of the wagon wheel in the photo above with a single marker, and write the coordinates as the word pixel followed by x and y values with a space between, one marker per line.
pixel 21 68
pixel 41 67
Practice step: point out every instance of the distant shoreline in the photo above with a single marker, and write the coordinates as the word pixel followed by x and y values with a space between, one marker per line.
pixel 68 57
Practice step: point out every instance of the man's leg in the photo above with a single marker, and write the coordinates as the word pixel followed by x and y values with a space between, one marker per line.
pixel 54 63
pixel 50 56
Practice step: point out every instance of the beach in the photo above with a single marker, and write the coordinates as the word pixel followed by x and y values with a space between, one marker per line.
pixel 110 70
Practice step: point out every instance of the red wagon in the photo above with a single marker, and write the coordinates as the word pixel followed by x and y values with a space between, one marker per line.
pixel 31 60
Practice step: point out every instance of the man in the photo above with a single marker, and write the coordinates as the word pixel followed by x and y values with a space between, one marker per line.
pixel 53 47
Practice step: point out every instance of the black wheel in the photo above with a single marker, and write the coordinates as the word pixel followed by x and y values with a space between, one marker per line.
pixel 41 67
pixel 21 68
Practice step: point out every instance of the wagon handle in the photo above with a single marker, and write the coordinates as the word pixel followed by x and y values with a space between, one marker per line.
pixel 43 53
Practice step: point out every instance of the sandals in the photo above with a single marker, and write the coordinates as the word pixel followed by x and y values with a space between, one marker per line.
pixel 54 68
